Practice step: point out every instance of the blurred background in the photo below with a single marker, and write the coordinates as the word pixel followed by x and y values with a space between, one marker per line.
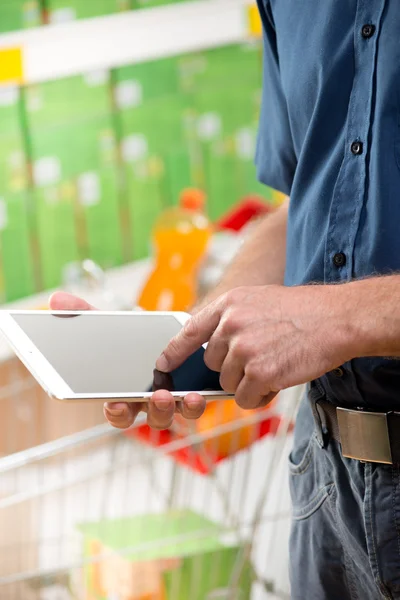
pixel 127 139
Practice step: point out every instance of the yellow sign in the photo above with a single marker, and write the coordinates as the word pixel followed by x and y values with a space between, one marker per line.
pixel 11 65
pixel 254 20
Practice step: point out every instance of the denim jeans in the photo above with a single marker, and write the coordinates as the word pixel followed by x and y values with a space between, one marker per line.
pixel 345 539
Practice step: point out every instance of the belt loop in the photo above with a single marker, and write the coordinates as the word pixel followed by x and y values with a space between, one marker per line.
pixel 314 396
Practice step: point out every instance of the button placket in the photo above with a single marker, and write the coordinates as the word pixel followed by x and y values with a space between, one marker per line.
pixel 345 215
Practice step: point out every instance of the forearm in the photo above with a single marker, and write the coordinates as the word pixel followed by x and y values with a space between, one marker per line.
pixel 261 260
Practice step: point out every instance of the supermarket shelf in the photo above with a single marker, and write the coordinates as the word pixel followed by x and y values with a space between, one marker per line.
pixel 55 51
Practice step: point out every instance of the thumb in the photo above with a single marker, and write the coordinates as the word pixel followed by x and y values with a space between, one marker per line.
pixel 65 301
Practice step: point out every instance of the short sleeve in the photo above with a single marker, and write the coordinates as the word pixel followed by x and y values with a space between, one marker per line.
pixel 275 156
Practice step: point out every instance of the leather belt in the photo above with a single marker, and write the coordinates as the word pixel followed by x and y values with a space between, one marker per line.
pixel 364 435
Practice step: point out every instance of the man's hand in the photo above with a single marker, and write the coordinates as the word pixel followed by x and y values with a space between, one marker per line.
pixel 267 338
pixel 160 408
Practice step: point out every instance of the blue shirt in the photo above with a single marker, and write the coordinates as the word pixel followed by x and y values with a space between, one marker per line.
pixel 330 138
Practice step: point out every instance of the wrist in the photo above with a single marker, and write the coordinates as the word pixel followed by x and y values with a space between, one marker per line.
pixel 372 320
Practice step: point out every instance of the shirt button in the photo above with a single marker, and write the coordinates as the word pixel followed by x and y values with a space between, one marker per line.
pixel 338 372
pixel 339 260
pixel 367 31
pixel 356 148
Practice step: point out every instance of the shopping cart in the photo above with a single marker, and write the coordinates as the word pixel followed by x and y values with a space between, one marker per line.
pixel 101 515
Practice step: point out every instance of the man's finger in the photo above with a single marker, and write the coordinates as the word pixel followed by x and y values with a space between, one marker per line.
pixel 249 395
pixel 196 332
pixel 232 373
pixel 193 406
pixel 122 414
pixel 161 410
pixel 215 353
pixel 65 301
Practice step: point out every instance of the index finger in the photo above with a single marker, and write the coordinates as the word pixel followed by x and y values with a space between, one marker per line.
pixel 196 332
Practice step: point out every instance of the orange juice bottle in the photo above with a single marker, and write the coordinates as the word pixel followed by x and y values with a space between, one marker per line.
pixel 180 238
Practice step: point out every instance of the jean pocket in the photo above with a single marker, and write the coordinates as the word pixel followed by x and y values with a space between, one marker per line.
pixel 309 484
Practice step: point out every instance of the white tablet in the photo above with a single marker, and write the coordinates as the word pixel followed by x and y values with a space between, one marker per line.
pixel 109 356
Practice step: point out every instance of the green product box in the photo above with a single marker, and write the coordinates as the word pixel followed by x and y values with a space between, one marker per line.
pixel 235 66
pixel 19 14
pixel 68 99
pixel 98 199
pixel 67 150
pixel 136 84
pixel 179 173
pixel 159 123
pixel 16 257
pixel 75 174
pixel 78 218
pixel 152 126
pixel 76 163
pixel 62 11
pixel 226 121
pixel 13 167
pixel 153 3
pixel 174 556
pixel 226 134
pixel 55 208
pixel 155 162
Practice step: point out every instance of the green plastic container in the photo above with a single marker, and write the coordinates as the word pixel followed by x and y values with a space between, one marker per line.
pixel 200 564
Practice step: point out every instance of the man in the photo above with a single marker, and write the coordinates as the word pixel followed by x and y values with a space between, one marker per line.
pixel 330 138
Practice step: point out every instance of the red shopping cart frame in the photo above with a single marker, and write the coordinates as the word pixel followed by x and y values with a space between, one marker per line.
pixel 194 456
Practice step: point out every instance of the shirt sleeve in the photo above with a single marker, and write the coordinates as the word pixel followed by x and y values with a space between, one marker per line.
pixel 275 155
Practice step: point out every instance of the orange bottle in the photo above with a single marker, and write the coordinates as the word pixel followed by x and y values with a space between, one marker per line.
pixel 180 237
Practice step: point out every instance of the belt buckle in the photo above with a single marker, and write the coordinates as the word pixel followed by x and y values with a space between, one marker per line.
pixel 364 435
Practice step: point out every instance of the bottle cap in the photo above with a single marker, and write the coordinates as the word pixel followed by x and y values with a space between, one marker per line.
pixel 192 199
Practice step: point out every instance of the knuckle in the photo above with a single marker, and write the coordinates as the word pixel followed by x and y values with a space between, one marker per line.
pixel 272 373
pixel 253 373
pixel 173 348
pixel 242 349
pixel 234 296
pixel 191 329
pixel 231 321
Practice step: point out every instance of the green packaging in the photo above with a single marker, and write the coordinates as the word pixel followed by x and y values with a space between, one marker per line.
pixel 17 265
pixel 16 258
pixel 19 14
pixel 68 99
pixel 226 120
pixel 154 3
pixel 228 67
pixel 153 143
pixel 62 11
pixel 75 173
